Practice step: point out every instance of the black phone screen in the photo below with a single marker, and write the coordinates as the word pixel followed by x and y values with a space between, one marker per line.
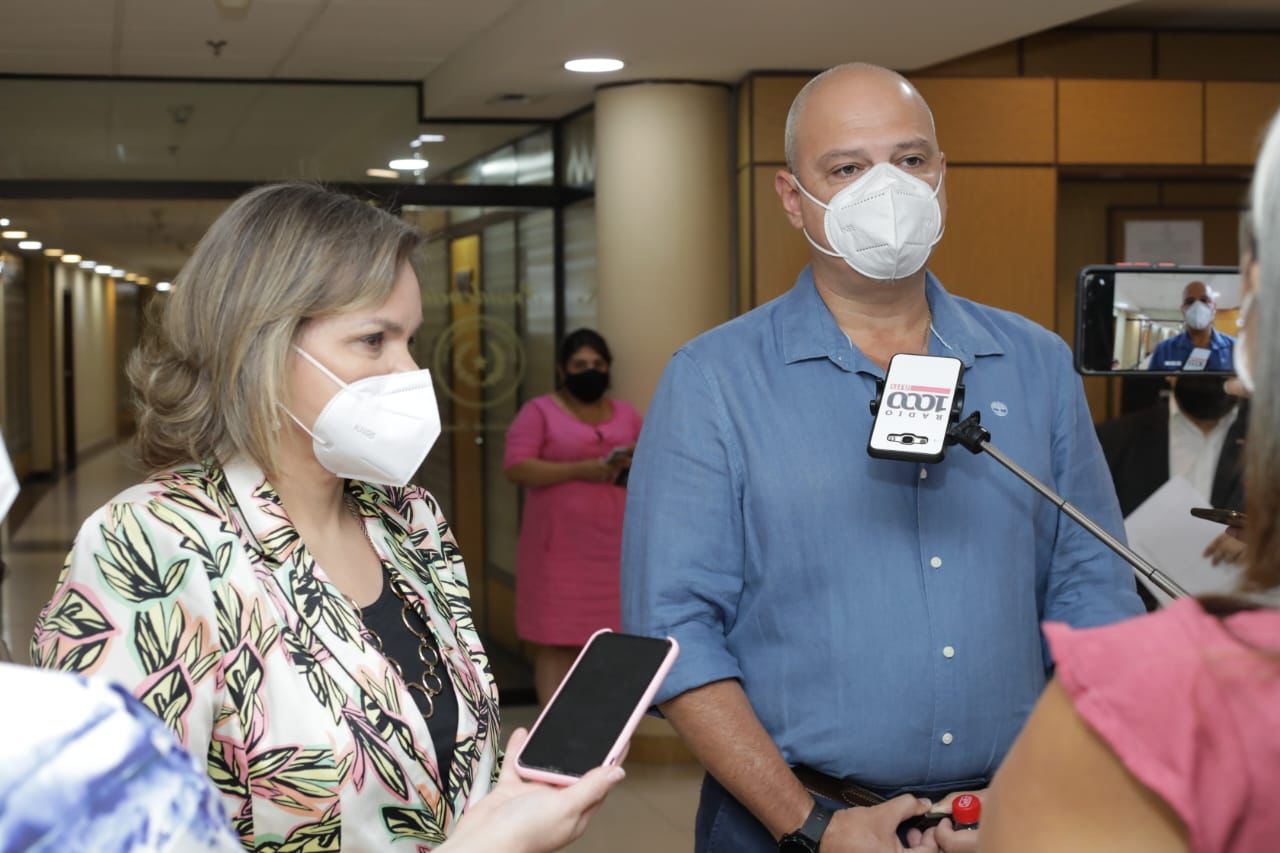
pixel 582 724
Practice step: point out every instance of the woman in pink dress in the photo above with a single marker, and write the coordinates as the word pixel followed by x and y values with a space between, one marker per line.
pixel 571 450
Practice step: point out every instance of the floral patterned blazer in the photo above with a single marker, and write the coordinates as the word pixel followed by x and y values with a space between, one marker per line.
pixel 194 590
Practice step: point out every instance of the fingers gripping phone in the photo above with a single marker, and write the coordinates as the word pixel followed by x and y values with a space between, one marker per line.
pixel 597 707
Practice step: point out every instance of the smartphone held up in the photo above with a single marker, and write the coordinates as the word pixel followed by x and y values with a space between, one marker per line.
pixel 594 712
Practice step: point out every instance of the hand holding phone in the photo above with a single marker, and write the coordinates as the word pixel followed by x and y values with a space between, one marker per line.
pixel 617 456
pixel 594 712
pixel 1229 517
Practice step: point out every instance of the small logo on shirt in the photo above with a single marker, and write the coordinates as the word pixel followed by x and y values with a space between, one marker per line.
pixel 999 408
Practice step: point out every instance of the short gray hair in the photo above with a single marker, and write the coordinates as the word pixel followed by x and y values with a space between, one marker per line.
pixel 1263 448
pixel 798 105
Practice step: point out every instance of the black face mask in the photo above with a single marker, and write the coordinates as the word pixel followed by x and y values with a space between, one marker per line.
pixel 1203 397
pixel 587 386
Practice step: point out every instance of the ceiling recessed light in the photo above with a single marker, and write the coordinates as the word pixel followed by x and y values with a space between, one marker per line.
pixel 4 223
pixel 117 273
pixel 53 253
pixel 142 279
pixel 30 245
pixel 431 137
pixel 382 173
pixel 102 269
pixel 163 286
pixel 88 265
pixel 133 276
pixel 71 259
pixel 598 65
pixel 14 235
pixel 409 164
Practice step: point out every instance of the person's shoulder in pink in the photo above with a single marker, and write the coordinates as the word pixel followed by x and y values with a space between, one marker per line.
pixel 1190 705
pixel 528 431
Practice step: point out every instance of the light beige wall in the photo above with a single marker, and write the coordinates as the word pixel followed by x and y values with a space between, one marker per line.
pixel 664 223
pixel 40 294
pixel 93 315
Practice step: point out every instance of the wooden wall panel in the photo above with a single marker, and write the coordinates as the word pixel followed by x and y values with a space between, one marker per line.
pixel 770 101
pixel 1141 122
pixel 999 245
pixel 1218 56
pixel 780 251
pixel 999 61
pixel 743 100
pixel 1236 116
pixel 992 121
pixel 1089 54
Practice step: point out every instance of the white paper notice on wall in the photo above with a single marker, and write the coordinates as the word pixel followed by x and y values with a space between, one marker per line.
pixel 8 481
pixel 1164 241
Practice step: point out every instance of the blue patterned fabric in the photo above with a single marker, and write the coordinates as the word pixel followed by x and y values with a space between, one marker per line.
pixel 85 766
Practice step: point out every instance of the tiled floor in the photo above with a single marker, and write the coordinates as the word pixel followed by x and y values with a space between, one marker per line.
pixel 652 810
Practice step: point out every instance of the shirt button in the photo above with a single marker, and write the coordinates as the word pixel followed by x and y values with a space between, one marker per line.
pixel 948 651
pixel 924 473
pixel 936 562
pixel 947 738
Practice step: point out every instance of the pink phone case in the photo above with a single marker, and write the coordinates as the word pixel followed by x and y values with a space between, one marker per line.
pixel 534 774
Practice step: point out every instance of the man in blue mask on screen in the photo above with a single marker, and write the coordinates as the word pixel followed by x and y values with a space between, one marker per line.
pixel 874 621
pixel 1199 346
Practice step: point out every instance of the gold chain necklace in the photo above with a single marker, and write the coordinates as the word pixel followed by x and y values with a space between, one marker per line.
pixel 431 683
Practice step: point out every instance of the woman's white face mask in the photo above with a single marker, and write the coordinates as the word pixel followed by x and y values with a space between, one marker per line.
pixel 377 429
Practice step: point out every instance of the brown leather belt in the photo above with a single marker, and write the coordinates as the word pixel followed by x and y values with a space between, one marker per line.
pixel 836 790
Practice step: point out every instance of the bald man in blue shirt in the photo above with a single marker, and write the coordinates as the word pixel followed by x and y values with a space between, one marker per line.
pixel 874 620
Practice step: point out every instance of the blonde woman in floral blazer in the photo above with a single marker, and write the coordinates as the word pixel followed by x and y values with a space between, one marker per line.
pixel 225 591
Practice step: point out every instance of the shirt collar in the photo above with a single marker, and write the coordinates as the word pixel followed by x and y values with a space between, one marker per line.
pixel 807 330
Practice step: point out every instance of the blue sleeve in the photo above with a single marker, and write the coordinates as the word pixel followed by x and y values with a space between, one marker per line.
pixel 1158 355
pixel 682 551
pixel 1088 584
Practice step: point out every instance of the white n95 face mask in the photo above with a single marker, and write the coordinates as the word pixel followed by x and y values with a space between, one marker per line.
pixel 1199 316
pixel 884 225
pixel 377 429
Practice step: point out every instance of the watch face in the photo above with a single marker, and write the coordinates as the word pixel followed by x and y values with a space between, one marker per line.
pixel 796 843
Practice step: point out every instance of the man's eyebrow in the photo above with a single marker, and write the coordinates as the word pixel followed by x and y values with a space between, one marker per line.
pixel 861 153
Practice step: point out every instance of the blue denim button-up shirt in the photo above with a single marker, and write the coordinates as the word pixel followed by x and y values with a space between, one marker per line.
pixel 882 616
pixel 1172 353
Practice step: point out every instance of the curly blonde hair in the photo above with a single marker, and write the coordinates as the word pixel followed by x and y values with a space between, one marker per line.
pixel 210 375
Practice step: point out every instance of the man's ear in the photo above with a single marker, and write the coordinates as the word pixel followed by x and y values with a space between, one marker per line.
pixel 792 201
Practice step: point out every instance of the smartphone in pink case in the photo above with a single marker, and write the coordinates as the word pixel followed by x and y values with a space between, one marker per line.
pixel 597 707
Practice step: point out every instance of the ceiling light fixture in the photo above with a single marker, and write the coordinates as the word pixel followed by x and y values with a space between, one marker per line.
pixel 14 235
pixel 117 273
pixel 4 223
pixel 597 65
pixel 102 269
pixel 163 286
pixel 412 163
pixel 431 137
pixel 88 265
pixel 71 259
pixel 142 279
pixel 133 276
pixel 30 245
pixel 382 173
pixel 53 253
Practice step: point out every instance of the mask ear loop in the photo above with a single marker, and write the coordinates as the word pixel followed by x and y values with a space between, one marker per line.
pixel 327 372
pixel 805 231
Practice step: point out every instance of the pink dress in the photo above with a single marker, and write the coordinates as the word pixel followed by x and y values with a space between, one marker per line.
pixel 1190 704
pixel 567 562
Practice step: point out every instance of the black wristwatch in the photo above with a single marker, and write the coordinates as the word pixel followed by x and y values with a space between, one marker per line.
pixel 807 838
